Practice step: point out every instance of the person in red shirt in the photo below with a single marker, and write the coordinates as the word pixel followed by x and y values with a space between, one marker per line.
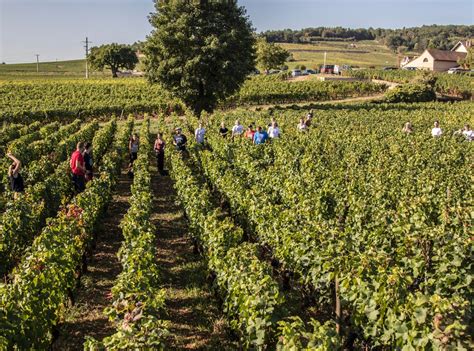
pixel 250 132
pixel 78 168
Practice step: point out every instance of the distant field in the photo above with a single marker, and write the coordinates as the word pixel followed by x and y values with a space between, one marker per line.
pixel 67 69
pixel 363 54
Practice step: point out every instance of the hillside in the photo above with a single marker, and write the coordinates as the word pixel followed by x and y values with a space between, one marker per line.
pixel 363 54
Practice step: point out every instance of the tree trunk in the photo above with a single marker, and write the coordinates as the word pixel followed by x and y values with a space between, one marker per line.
pixel 114 72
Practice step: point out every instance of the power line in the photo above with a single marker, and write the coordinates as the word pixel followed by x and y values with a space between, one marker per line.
pixel 87 42
pixel 37 63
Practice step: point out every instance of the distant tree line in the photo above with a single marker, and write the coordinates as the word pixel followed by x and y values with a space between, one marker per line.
pixel 416 38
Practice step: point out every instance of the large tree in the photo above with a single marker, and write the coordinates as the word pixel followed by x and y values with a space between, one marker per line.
pixel 200 50
pixel 114 57
pixel 270 55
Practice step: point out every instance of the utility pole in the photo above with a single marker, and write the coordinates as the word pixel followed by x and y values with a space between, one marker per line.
pixel 37 63
pixel 87 42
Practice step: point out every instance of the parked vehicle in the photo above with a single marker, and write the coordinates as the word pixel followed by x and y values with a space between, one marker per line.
pixel 309 71
pixel 296 73
pixel 274 71
pixel 457 70
pixel 389 68
pixel 409 68
pixel 327 69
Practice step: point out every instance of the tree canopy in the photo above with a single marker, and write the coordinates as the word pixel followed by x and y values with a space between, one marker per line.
pixel 435 36
pixel 114 57
pixel 201 51
pixel 270 55
pixel 468 61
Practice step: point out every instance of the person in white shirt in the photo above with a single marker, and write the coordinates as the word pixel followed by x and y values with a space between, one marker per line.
pixel 302 126
pixel 237 129
pixel 468 133
pixel 407 128
pixel 436 131
pixel 274 131
pixel 199 134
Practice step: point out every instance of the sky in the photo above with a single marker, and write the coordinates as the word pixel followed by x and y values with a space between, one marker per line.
pixel 55 29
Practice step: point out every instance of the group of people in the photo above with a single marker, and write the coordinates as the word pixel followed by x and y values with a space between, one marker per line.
pixel 81 161
pixel 437 132
pixel 256 135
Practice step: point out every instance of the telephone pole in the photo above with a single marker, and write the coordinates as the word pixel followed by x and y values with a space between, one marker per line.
pixel 87 42
pixel 37 63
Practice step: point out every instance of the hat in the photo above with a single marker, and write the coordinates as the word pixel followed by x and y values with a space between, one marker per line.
pixel 178 128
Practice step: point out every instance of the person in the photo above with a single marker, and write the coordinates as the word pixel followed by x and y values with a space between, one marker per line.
pixel 88 162
pixel 250 132
pixel 159 148
pixel 78 168
pixel 260 136
pixel 223 131
pixel 133 147
pixel 180 140
pixel 274 131
pixel 14 177
pixel 199 134
pixel 271 122
pixel 468 133
pixel 436 131
pixel 237 129
pixel 307 121
pixel 407 128
pixel 302 127
pixel 310 114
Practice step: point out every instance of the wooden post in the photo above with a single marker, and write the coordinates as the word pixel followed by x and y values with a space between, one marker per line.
pixel 338 307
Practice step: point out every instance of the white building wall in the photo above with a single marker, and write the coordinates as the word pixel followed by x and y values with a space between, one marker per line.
pixel 424 61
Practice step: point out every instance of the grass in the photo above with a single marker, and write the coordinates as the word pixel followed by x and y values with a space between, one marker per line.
pixel 58 69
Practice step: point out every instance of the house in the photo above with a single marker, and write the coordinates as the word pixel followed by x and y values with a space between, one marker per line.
pixel 406 60
pixel 463 46
pixel 436 60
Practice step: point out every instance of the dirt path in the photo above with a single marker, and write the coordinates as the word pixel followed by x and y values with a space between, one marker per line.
pixel 196 321
pixel 86 317
pixel 310 103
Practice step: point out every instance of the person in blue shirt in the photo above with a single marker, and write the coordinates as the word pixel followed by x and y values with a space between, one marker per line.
pixel 260 136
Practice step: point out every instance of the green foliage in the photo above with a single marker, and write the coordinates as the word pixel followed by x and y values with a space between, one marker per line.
pixel 468 61
pixel 449 84
pixel 410 92
pixel 295 337
pixel 436 36
pixel 389 214
pixel 32 100
pixel 25 217
pixel 201 51
pixel 275 89
pixel 251 296
pixel 34 301
pixel 270 55
pixel 114 57
pixel 137 297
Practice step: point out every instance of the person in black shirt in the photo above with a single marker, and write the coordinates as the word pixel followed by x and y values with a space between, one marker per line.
pixel 223 131
pixel 14 176
pixel 159 148
pixel 88 162
pixel 179 140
